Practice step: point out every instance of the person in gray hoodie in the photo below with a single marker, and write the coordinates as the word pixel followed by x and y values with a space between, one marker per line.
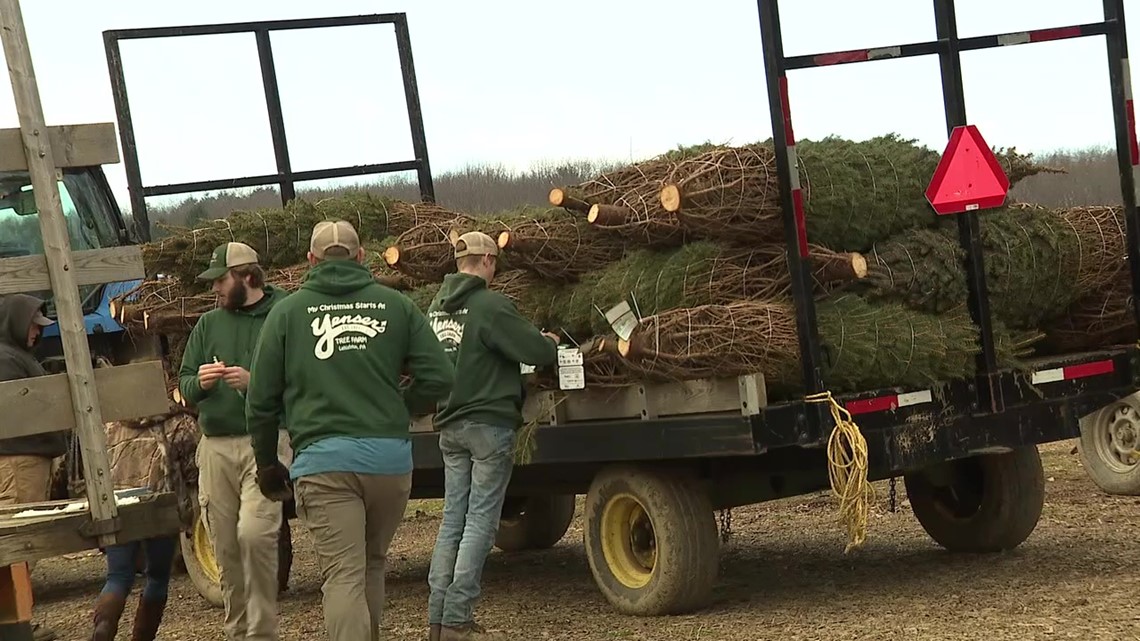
pixel 25 461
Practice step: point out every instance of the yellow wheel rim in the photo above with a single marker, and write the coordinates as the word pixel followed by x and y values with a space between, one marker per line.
pixel 204 552
pixel 629 544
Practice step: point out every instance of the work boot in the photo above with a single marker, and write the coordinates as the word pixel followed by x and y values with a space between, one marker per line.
pixel 108 610
pixel 469 632
pixel 147 617
pixel 433 632
pixel 41 632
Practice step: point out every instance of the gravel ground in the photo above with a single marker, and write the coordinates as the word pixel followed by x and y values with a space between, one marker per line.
pixel 783 576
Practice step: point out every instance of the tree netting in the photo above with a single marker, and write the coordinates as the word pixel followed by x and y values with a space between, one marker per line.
pixel 697 273
pixel 867 346
pixel 1038 262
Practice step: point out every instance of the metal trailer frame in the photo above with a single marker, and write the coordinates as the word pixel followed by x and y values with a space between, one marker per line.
pixel 905 429
pixel 948 47
pixel 285 177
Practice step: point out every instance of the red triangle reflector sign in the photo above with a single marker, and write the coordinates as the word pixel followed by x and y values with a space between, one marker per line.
pixel 969 176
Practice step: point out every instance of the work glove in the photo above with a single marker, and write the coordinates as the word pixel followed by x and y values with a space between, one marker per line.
pixel 273 481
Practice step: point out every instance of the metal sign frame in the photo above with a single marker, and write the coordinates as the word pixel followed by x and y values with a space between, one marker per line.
pixel 285 177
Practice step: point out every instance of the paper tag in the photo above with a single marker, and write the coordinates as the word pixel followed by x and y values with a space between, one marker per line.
pixel 572 377
pixel 526 369
pixel 569 356
pixel 622 320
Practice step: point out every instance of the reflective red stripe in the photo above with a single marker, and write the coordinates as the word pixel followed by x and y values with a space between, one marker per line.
pixel 801 224
pixel 841 57
pixel 1044 35
pixel 868 405
pixel 788 134
pixel 1089 369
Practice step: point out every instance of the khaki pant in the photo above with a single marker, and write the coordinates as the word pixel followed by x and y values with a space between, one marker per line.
pixel 244 527
pixel 24 479
pixel 353 518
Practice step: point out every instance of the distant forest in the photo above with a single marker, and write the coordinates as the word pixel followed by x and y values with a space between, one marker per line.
pixel 1091 177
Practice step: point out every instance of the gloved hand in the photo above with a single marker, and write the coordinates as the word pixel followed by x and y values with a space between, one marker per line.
pixel 273 481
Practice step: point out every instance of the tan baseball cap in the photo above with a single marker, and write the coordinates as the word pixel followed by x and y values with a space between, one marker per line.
pixel 334 233
pixel 226 256
pixel 475 243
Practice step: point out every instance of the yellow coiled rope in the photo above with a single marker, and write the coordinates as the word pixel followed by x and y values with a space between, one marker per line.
pixel 847 471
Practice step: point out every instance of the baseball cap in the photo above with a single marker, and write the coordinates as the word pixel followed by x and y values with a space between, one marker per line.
pixel 39 319
pixel 334 233
pixel 228 255
pixel 475 243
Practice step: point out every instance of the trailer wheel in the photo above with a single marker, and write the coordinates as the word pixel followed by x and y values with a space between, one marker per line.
pixel 651 540
pixel 1109 436
pixel 985 503
pixel 534 522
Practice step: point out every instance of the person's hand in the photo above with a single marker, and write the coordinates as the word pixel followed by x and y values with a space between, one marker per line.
pixel 273 481
pixel 209 373
pixel 554 337
pixel 236 377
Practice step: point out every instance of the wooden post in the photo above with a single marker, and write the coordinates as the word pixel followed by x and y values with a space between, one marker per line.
pixel 15 603
pixel 57 251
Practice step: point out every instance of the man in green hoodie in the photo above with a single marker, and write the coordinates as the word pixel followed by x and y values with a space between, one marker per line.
pixel 489 341
pixel 331 357
pixel 214 376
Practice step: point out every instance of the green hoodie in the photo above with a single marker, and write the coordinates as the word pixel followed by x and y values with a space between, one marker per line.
pixel 231 337
pixel 487 339
pixel 331 357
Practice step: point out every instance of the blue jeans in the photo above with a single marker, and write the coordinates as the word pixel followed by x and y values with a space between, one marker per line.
pixel 477 461
pixel 159 561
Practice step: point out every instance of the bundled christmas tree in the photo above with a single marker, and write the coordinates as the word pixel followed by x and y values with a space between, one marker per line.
pixel 281 236
pixel 1038 262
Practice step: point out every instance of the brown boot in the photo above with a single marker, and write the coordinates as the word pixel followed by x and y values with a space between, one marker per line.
pixel 108 610
pixel 147 617
pixel 433 632
pixel 469 632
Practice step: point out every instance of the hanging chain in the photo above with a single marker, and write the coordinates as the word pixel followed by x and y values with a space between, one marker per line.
pixel 893 494
pixel 725 525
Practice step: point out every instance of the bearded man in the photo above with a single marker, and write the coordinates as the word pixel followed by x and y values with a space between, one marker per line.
pixel 242 522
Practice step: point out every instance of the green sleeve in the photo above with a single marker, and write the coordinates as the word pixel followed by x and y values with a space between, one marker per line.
pixel 264 398
pixel 193 357
pixel 432 371
pixel 518 339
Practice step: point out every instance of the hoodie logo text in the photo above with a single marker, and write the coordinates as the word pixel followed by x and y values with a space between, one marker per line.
pixel 329 331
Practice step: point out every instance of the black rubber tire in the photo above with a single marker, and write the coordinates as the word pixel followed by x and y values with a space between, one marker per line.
pixel 685 533
pixel 537 523
pixel 999 501
pixel 1112 476
pixel 208 588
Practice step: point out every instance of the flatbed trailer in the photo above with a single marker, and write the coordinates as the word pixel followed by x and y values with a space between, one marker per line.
pixel 656 461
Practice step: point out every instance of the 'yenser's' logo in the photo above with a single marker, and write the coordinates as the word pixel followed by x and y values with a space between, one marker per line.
pixel 449 332
pixel 329 329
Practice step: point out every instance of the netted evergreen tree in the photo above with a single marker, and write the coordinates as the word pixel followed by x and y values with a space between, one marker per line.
pixel 855 193
pixel 1038 263
pixel 867 346
pixel 281 235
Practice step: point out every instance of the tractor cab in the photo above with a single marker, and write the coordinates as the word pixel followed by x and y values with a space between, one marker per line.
pixel 93 222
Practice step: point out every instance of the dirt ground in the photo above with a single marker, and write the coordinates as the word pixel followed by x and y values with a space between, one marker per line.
pixel 783 576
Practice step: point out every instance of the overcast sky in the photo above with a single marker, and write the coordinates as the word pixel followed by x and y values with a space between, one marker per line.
pixel 512 82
